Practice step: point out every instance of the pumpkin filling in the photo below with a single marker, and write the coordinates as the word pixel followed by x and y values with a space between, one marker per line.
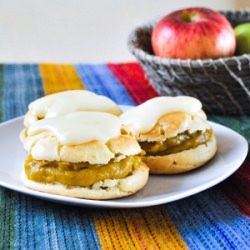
pixel 181 142
pixel 78 174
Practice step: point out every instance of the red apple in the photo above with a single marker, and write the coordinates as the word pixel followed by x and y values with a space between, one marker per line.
pixel 193 33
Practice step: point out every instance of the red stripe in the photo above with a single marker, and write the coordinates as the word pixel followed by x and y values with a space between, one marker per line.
pixel 237 188
pixel 132 77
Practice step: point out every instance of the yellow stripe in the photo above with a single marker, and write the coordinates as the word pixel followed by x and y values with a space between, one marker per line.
pixel 164 231
pixel 112 231
pixel 59 77
pixel 148 228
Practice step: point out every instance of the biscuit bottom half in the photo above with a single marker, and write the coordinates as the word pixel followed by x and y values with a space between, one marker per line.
pixel 179 143
pixel 78 174
pixel 182 161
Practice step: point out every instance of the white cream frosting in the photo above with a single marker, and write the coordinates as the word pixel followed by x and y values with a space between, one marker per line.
pixel 71 101
pixel 143 117
pixel 80 127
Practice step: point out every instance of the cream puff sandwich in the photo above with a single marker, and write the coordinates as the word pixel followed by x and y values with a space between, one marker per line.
pixel 174 133
pixel 66 102
pixel 83 154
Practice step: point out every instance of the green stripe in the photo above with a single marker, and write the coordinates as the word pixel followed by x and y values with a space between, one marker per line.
pixel 239 124
pixel 7 217
pixel 7 197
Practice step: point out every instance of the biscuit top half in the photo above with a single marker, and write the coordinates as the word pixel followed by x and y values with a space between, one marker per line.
pixel 172 114
pixel 79 127
pixel 67 102
pixel 94 137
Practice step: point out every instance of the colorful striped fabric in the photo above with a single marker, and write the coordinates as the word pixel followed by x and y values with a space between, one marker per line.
pixel 217 218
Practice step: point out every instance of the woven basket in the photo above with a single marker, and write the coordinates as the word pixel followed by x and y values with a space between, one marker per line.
pixel 223 85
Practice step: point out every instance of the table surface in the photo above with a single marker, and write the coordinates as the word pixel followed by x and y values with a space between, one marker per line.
pixel 217 218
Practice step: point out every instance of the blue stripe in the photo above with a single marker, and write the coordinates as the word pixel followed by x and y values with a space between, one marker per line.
pixel 210 221
pixel 76 229
pixel 99 79
pixel 27 226
pixel 22 84
pixel 44 225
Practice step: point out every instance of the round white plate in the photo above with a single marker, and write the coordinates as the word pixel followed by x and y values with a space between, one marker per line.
pixel 232 150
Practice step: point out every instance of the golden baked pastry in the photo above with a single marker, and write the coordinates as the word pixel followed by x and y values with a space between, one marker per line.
pixel 174 133
pixel 83 154
pixel 66 102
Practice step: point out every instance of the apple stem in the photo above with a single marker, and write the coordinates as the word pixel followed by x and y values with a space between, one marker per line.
pixel 189 18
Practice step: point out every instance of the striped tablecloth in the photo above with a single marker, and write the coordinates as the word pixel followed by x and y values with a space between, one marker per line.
pixel 217 218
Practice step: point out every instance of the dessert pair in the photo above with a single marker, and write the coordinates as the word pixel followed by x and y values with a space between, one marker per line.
pixel 80 144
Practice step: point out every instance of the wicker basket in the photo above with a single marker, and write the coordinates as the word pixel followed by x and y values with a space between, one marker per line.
pixel 223 85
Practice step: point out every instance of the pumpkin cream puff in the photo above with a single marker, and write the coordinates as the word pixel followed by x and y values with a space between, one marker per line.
pixel 174 133
pixel 83 154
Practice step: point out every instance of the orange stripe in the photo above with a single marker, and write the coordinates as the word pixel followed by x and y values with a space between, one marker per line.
pixel 59 77
pixel 148 228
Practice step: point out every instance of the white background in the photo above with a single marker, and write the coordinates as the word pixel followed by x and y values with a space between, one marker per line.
pixel 72 31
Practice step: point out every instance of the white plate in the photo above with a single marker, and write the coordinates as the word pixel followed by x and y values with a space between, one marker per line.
pixel 232 150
